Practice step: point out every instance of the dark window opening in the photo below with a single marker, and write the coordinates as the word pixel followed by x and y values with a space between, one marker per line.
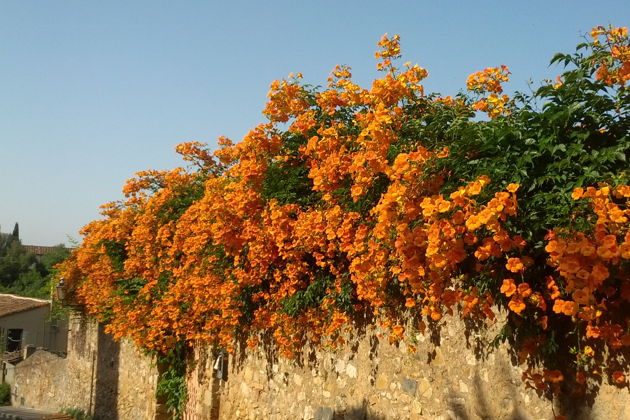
pixel 14 340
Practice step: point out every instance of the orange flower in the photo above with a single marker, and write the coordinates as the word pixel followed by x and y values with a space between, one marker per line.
pixel 398 331
pixel 599 273
pixel 524 290
pixel 577 193
pixel 618 377
pixel 508 288
pixel 516 304
pixel 513 187
pixel 580 377
pixel 514 265
pixel 553 288
pixel 473 223
pixel 582 296
pixel 588 351
pixel 568 308
pixel 553 376
pixel 436 316
pixel 592 332
pixel 556 246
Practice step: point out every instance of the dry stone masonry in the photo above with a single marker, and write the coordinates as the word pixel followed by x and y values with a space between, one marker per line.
pixel 452 375
pixel 107 379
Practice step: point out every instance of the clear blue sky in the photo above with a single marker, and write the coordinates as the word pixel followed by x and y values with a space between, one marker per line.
pixel 92 92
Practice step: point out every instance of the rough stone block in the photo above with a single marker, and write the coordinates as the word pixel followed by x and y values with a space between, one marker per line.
pixel 298 379
pixel 426 391
pixel 248 374
pixel 324 413
pixel 382 382
pixel 438 360
pixel 409 386
pixel 340 366
pixel 351 371
pixel 463 388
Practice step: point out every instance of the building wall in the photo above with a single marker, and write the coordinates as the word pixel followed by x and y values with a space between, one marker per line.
pixel 110 380
pixel 38 329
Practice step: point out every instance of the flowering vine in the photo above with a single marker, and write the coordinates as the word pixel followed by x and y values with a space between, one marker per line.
pixel 387 201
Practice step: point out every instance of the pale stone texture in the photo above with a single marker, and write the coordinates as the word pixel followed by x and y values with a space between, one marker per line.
pixel 447 378
pixel 106 379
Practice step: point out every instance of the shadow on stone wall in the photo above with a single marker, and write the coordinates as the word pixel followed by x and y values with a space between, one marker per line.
pixel 79 342
pixel 483 341
pixel 306 358
pixel 578 403
pixel 483 405
pixel 574 401
pixel 106 384
pixel 361 412
pixel 266 345
pixel 571 405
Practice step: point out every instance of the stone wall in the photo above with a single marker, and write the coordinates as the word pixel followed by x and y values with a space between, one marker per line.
pixel 450 376
pixel 202 386
pixel 110 380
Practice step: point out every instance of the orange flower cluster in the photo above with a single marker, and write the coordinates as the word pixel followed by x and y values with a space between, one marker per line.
pixel 593 267
pixel 544 380
pixel 390 49
pixel 489 81
pixel 213 253
pixel 615 68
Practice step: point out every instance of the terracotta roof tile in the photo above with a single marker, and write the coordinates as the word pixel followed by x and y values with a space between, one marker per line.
pixel 39 250
pixel 10 304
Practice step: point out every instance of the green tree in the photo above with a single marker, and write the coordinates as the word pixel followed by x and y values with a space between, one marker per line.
pixel 20 271
pixel 14 260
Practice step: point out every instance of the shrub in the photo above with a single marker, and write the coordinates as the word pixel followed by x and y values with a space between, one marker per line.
pixel 388 201
pixel 77 413
pixel 5 394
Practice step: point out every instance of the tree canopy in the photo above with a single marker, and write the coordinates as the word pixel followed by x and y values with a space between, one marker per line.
pixel 21 272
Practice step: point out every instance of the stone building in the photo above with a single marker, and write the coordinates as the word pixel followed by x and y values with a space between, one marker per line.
pixel 26 321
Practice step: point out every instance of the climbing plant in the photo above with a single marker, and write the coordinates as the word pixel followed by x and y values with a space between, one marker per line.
pixel 387 201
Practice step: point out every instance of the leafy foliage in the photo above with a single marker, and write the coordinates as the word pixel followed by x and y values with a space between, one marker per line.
pixel 387 201
pixel 171 386
pixel 21 272
pixel 5 394
pixel 76 413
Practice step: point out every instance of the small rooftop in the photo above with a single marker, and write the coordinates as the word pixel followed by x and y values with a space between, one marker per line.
pixel 40 250
pixel 11 304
